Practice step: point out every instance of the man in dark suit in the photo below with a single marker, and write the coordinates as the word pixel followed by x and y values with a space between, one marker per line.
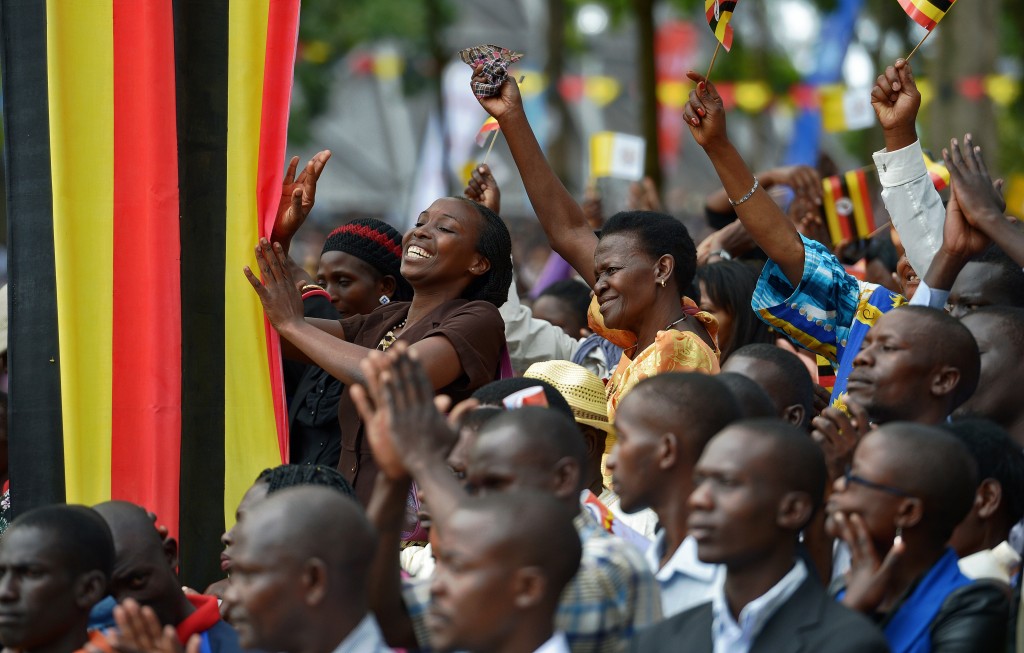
pixel 758 483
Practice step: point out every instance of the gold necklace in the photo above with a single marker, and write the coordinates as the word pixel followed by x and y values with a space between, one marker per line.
pixel 390 337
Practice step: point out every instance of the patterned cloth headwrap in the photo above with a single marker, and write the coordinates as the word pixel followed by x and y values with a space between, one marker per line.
pixel 496 61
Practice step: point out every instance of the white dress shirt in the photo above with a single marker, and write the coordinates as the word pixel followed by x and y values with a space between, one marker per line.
pixel 685 581
pixel 731 636
pixel 557 644
pixel 365 638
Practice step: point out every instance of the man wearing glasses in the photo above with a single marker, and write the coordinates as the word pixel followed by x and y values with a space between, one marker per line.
pixel 907 488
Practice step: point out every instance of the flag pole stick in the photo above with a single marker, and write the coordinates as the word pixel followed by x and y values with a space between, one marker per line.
pixel 923 39
pixel 494 137
pixel 878 231
pixel 713 57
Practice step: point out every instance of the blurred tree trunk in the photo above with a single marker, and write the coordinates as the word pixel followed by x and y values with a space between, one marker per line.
pixel 644 15
pixel 966 46
pixel 562 146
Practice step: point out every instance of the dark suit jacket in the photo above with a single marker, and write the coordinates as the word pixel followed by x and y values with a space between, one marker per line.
pixel 808 622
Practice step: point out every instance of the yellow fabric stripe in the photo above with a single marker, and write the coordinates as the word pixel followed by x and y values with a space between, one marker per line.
pixel 250 432
pixel 80 71
pixel 857 197
pixel 829 202
pixel 805 340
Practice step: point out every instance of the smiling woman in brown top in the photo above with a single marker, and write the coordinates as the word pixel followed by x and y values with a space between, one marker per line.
pixel 458 261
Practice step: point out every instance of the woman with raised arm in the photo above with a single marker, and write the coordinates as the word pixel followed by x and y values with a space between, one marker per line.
pixel 458 261
pixel 639 268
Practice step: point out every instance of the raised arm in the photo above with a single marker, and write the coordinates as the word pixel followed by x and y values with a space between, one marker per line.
pixel 770 228
pixel 559 214
pixel 907 190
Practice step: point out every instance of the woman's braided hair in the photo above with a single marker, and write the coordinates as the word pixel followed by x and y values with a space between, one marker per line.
pixel 377 244
pixel 285 476
pixel 659 234
pixel 495 244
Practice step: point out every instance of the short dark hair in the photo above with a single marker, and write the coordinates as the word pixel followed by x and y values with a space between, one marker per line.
pixel 794 385
pixel 997 456
pixel 658 234
pixel 285 476
pixel 708 403
pixel 495 244
pixel 83 536
pixel 730 285
pixel 493 393
pixel 949 341
pixel 801 465
pixel 575 294
pixel 1010 282
pixel 937 468
pixel 547 433
pixel 751 398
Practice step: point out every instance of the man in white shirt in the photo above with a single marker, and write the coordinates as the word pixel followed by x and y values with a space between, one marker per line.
pixel 502 563
pixel 759 482
pixel 662 426
pixel 300 566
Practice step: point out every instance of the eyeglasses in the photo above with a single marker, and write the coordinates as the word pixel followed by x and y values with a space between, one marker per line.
pixel 850 477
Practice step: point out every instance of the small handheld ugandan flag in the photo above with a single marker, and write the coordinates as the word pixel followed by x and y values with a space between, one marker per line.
pixel 719 13
pixel 926 13
pixel 490 126
pixel 847 206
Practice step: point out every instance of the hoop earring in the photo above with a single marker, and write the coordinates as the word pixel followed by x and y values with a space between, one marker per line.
pixel 662 282
pixel 899 536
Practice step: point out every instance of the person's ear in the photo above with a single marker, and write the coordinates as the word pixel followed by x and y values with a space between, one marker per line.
pixel 988 498
pixel 387 286
pixel 530 585
pixel 668 451
pixel 566 480
pixel 89 588
pixel 170 547
pixel 480 265
pixel 314 581
pixel 595 440
pixel 794 414
pixel 909 513
pixel 795 511
pixel 945 381
pixel 663 270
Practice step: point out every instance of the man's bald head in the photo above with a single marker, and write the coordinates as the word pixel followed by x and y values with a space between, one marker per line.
pixel 948 342
pixel 299 569
pixel 932 465
pixel 315 522
pixel 502 563
pixel 753 401
pixel 782 375
pixel 144 565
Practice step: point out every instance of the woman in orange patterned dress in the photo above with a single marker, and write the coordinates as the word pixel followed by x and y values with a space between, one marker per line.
pixel 640 267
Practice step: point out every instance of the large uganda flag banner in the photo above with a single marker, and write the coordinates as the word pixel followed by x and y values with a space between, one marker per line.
pixel 144 142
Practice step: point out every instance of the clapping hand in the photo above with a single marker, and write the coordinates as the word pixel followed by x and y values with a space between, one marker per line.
pixel 297 197
pixel 139 631
pixel 280 298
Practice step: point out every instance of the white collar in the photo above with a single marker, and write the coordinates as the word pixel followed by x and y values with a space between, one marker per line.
pixel 557 643
pixel 755 614
pixel 364 638
pixel 683 561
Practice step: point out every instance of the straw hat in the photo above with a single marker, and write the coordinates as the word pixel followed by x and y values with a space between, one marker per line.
pixel 582 389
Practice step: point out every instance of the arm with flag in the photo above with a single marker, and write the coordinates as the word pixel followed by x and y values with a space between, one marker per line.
pixel 909 195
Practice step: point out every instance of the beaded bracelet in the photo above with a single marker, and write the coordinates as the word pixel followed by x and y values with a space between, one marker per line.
pixel 748 195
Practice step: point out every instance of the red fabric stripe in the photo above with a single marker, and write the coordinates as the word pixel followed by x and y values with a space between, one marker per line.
pixel 364 231
pixel 146 426
pixel 839 191
pixel 282 36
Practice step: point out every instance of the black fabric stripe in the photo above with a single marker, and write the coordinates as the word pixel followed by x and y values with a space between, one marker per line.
pixel 941 5
pixel 201 63
pixel 36 447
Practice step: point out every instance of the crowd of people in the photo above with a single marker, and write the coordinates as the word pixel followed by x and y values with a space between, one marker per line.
pixel 763 442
